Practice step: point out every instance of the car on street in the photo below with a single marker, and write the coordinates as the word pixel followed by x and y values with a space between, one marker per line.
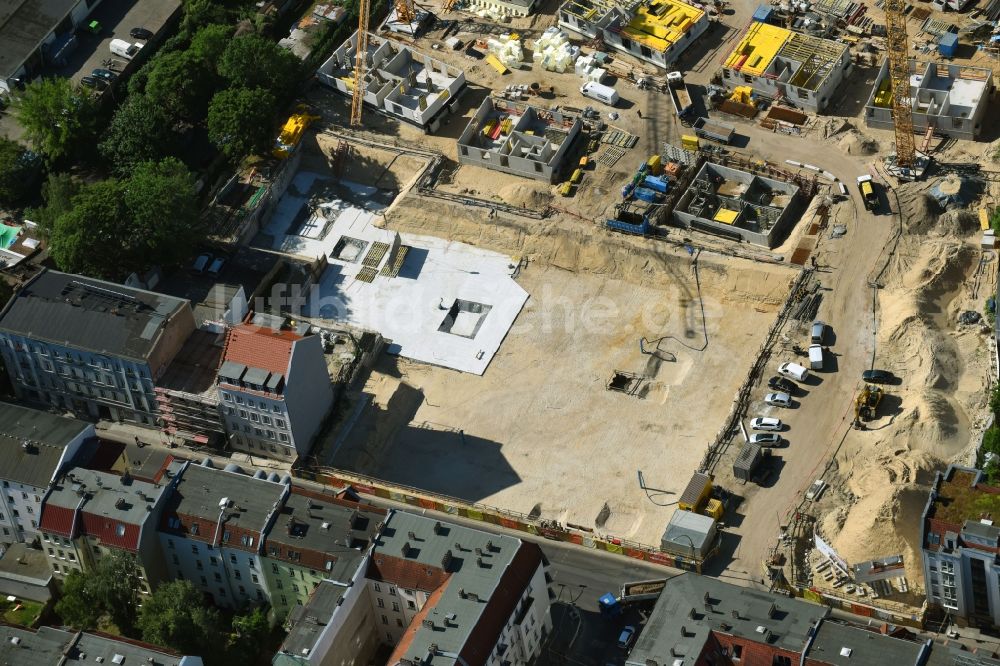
pixel 140 33
pixel 766 423
pixel 778 399
pixel 93 82
pixel 781 384
pixel 626 637
pixel 877 376
pixel 793 371
pixel 201 262
pixel 106 74
pixel 815 490
pixel 817 334
pixel 216 266
pixel 765 439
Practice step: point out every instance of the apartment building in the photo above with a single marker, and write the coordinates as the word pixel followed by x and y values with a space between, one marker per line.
pixel 91 347
pixel 34 447
pixel 316 536
pixel 213 529
pixel 434 593
pixel 959 547
pixel 274 388
pixel 49 646
pixel 88 514
pixel 186 395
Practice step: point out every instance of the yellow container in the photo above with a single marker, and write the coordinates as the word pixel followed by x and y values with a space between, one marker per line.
pixel 584 161
pixel 577 176
pixel 689 142
pixel 655 164
pixel 714 509
pixel 566 189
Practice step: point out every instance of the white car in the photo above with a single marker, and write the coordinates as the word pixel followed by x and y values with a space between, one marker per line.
pixel 766 423
pixel 765 439
pixel 778 399
pixel 815 490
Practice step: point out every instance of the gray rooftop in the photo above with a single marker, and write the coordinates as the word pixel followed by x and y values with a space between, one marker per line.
pixel 194 369
pixel 47 436
pixel 49 646
pixel 689 533
pixel 319 523
pixel 308 621
pixel 23 25
pixel 202 488
pixel 954 655
pixel 93 315
pixel 759 616
pixel 844 645
pixel 123 498
pixel 25 564
pixel 982 530
pixel 429 542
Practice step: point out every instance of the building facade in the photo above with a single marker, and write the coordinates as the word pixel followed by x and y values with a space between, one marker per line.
pixel 50 645
pixel 792 68
pixel 274 389
pixel 91 347
pixel 34 447
pixel 90 514
pixel 213 529
pixel 186 396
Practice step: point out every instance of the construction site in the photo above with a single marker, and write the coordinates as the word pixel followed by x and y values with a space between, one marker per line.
pixel 596 240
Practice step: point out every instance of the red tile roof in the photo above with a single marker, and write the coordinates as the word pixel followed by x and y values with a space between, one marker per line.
pixel 57 520
pixel 106 529
pixel 260 347
pixel 406 573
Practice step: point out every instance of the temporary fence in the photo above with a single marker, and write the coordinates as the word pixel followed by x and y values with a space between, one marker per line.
pixel 506 518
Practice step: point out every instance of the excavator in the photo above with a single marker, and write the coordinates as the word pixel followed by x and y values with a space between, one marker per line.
pixel 866 404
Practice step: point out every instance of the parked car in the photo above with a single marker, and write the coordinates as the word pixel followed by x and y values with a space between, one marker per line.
pixel 200 262
pixel 778 399
pixel 782 384
pixel 105 74
pixel 140 33
pixel 765 438
pixel 793 371
pixel 626 637
pixel 766 423
pixel 817 334
pixel 816 489
pixel 93 82
pixel 877 376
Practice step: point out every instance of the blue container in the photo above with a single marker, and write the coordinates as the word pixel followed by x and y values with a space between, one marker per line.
pixel 654 183
pixel 948 44
pixel 627 191
pixel 763 14
pixel 646 194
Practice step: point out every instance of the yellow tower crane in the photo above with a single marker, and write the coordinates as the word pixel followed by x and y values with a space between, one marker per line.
pixel 897 44
pixel 358 93
pixel 404 11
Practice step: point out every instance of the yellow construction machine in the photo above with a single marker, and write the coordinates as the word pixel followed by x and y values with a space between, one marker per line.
pixel 866 404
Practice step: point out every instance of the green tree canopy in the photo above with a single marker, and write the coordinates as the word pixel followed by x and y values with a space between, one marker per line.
pixel 252 61
pixel 250 635
pixel 78 607
pixel 140 131
pixel 177 616
pixel 58 117
pixel 240 121
pixel 209 43
pixel 18 173
pixel 181 84
pixel 198 13
pixel 57 192
pixel 115 226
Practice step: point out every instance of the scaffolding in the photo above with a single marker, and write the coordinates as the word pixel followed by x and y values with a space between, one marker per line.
pixel 897 45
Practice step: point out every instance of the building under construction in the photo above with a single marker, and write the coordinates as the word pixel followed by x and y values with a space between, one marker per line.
pixel 656 31
pixel 738 204
pixel 518 139
pixel 400 82
pixel 950 99
pixel 795 69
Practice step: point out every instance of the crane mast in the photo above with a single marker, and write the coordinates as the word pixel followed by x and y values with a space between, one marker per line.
pixel 897 44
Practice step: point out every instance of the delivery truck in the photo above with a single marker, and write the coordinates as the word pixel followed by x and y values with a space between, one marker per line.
pixel 679 94
pixel 714 130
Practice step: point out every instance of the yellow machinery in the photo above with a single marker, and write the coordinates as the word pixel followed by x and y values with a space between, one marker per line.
pixel 291 134
pixel 689 142
pixel 697 493
pixel 897 45
pixel 743 95
pixel 404 11
pixel 866 403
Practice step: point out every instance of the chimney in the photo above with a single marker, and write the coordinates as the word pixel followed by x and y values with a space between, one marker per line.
pixel 446 560
pixel 428 623
pixel 772 611
pixel 406 551
pixel 479 561
pixel 693 614
pixel 461 593
pixel 438 527
pixel 708 599
pixel 489 546
pixel 479 551
pixel 684 631
pixel 412 535
pixel 458 546
pixel 736 614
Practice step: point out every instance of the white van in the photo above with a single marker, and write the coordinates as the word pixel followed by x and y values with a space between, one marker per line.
pixel 793 371
pixel 123 49
pixel 600 92
pixel 816 357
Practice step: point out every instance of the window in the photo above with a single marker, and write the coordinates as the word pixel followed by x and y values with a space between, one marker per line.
pixel 411 605
pixel 254 578
pixel 274 567
pixel 194 528
pixel 283 437
pixel 97 550
pixel 218 577
pixel 279 585
pixel 250 403
pixel 243 591
pixel 275 409
pixel 250 561
pixel 194 549
pixel 737 651
pixel 254 417
pixel 214 562
pixel 239 400
pixel 803 94
pixel 381 604
pixel 385 620
pixel 266 420
pixel 747 78
pixel 120 530
pixel 199 565
pixel 395 607
pixel 392 590
pixel 243 413
pixel 377 588
pixel 237 574
pixel 227 397
pixel 279 422
pixel 170 544
pixel 174 557
pixel 247 540
pixel 225 539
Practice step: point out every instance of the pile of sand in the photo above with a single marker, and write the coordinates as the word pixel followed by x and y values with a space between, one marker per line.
pixel 924 423
pixel 529 195
pixel 847 137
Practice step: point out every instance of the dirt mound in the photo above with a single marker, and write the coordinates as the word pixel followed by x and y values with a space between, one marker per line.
pixel 854 142
pixel 535 196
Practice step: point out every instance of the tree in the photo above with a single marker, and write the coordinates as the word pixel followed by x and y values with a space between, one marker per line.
pixel 176 615
pixel 252 61
pixel 17 173
pixel 139 131
pixel 995 401
pixel 77 607
pixel 115 585
pixel 162 205
pixel 82 237
pixel 180 84
pixel 57 192
pixel 239 121
pixel 209 43
pixel 250 634
pixel 58 118
pixel 198 13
